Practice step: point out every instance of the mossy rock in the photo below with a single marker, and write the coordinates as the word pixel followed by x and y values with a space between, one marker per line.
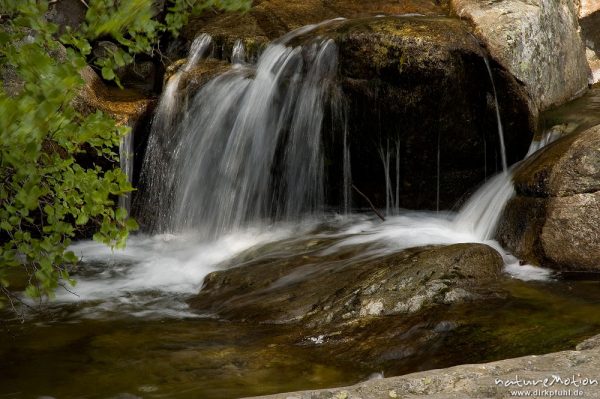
pixel 320 292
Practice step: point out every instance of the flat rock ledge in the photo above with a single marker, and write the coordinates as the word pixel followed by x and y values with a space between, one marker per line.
pixel 561 372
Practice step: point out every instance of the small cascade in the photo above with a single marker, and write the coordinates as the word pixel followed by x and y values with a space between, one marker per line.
pixel 238 55
pixel 499 119
pixel 480 215
pixel 249 145
pixel 198 50
pixel 154 174
pixel 482 212
pixel 547 138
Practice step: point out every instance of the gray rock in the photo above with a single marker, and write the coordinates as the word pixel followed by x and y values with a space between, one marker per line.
pixel 537 41
pixel 590 343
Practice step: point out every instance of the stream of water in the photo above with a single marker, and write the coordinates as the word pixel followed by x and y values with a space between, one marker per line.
pixel 126 328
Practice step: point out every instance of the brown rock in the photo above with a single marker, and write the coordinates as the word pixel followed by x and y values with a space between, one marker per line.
pixel 326 293
pixel 124 105
pixel 555 219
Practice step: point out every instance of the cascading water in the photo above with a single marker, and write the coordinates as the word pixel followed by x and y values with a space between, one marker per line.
pixel 249 146
pixel 480 215
pixel 154 176
pixel 498 118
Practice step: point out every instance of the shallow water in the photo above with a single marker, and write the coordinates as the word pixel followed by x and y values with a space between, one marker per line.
pixel 66 355
pixel 126 327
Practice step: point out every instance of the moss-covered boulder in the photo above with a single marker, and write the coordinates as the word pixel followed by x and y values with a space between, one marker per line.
pixel 554 220
pixel 268 20
pixel 328 293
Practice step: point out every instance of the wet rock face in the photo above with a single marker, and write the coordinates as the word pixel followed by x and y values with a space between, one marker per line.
pixel 523 36
pixel 554 219
pixel 409 86
pixel 416 85
pixel 325 294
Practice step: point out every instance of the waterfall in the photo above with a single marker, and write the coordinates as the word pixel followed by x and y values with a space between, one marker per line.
pixel 249 145
pixel 482 212
pixel 480 215
pixel 155 177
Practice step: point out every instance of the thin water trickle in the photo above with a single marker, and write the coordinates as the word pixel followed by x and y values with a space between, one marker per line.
pixel 499 119
pixel 438 176
pixel 238 55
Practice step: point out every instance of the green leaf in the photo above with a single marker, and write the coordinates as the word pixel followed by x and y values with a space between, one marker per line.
pixel 108 73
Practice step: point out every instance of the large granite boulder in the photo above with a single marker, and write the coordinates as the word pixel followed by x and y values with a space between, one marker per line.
pixel 588 7
pixel 554 219
pixel 538 42
pixel 319 293
pixel 590 31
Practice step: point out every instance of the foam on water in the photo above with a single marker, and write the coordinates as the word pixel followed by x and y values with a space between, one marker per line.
pixel 155 274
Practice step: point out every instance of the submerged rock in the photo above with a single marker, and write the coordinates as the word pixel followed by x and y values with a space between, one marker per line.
pixel 538 42
pixel 565 371
pixel 554 219
pixel 318 293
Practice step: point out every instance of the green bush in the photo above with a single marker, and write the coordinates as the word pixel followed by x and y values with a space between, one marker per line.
pixel 46 197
